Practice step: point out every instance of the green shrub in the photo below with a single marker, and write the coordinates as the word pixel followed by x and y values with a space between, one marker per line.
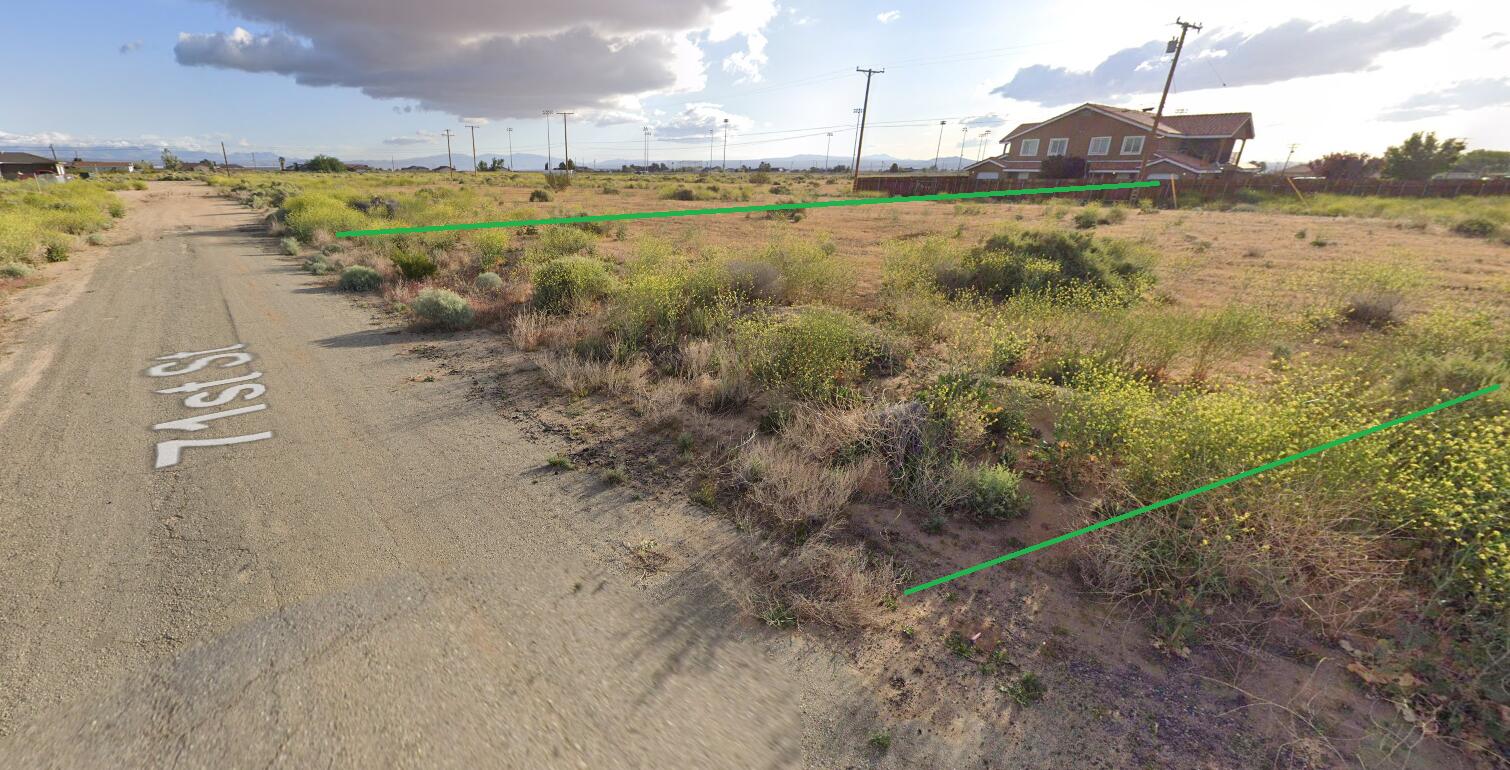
pixel 1475 227
pixel 117 208
pixel 57 248
pixel 558 181
pixel 818 354
pixel 492 247
pixel 1017 261
pixel 540 196
pixel 568 283
pixel 488 282
pixel 558 241
pixel 15 270
pixel 290 246
pixel 994 491
pixel 413 265
pixel 307 214
pixel 442 307
pixel 360 278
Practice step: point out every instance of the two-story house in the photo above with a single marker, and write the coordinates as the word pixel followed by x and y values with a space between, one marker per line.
pixel 1110 139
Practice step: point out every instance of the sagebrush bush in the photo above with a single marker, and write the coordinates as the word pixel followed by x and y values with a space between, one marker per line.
pixel 568 283
pixel 540 196
pixel 15 270
pixel 290 246
pixel 558 181
pixel 57 247
pixel 488 282
pixel 442 307
pixel 678 194
pixel 360 278
pixel 319 265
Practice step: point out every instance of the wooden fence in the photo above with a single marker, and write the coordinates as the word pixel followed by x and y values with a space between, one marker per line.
pixel 1218 187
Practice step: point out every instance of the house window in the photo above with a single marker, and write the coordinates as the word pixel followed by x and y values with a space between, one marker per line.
pixel 1029 147
pixel 988 175
pixel 1059 146
pixel 1132 145
pixel 1100 145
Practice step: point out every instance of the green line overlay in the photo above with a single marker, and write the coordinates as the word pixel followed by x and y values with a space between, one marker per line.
pixel 1199 490
pixel 744 209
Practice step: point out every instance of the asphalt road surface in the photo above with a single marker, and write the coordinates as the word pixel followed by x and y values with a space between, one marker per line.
pixel 389 579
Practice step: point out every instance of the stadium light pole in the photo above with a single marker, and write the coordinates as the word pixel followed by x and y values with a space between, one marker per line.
pixel 981 153
pixel 510 131
pixel 726 145
pixel 964 133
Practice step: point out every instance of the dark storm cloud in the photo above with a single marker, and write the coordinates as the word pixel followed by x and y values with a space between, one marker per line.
pixel 466 57
pixel 1294 49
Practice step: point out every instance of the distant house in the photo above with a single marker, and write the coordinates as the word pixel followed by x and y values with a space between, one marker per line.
pixel 1110 139
pixel 24 165
pixel 443 168
pixel 79 166
pixel 358 167
pixel 415 168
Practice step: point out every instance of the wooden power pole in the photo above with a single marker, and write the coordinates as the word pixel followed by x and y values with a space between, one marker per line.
pixel 226 159
pixel 1153 130
pixel 450 165
pixel 566 140
pixel 474 147
pixel 864 109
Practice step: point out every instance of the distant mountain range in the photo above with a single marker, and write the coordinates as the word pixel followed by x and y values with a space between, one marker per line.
pixel 522 161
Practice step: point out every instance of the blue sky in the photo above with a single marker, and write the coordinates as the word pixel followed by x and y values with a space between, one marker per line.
pixel 192 73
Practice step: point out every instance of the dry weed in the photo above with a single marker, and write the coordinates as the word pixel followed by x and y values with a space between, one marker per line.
pixel 583 378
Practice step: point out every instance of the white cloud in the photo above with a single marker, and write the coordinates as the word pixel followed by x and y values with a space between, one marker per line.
pixel 418 137
pixel 692 123
pixel 490 58
pixel 1294 49
pixel 988 120
pixel 1464 95
pixel 131 47
pixel 748 19
pixel 475 121
pixel 887 17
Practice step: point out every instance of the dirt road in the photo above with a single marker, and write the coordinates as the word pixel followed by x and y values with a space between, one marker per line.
pixel 391 578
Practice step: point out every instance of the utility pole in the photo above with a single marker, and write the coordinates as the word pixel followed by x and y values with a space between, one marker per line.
pixel 567 139
pixel 864 109
pixel 1287 159
pixel 226 159
pixel 449 164
pixel 826 146
pixel 646 131
pixel 963 133
pixel 547 114
pixel 726 145
pixel 254 161
pixel 510 132
pixel 939 148
pixel 710 148
pixel 1175 47
pixel 474 147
